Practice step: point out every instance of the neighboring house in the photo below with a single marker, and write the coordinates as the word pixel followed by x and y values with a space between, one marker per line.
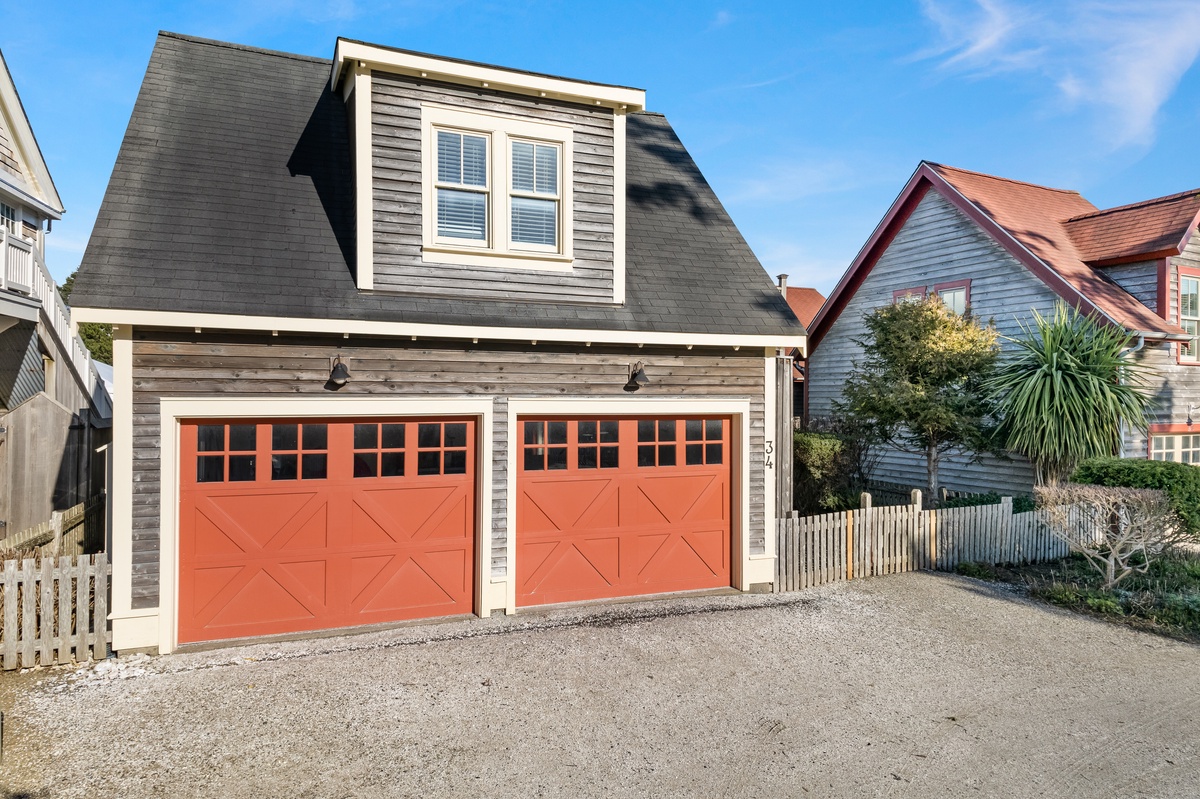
pixel 1004 249
pixel 805 303
pixel 401 336
pixel 54 410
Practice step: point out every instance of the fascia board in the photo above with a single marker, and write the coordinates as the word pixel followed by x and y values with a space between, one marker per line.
pixel 26 142
pixel 433 68
pixel 169 319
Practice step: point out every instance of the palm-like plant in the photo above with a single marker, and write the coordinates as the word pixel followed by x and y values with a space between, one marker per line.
pixel 1065 391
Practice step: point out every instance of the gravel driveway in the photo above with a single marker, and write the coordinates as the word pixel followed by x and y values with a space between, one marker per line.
pixel 917 685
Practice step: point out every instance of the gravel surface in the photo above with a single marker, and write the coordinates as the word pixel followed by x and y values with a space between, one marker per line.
pixel 916 685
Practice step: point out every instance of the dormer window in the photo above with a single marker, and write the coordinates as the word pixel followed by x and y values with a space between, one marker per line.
pixel 462 187
pixel 1189 316
pixel 496 189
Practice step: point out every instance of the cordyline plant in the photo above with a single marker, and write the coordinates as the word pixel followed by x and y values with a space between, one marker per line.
pixel 1065 390
pixel 1118 530
pixel 919 385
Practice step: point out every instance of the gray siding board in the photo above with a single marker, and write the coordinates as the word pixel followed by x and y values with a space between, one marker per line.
pixel 1139 279
pixel 936 244
pixel 177 365
pixel 396 153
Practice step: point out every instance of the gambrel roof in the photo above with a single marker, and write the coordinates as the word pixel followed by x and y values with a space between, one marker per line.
pixel 1057 234
pixel 233 193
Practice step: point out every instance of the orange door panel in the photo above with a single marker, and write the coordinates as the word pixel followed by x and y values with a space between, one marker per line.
pixel 295 525
pixel 621 507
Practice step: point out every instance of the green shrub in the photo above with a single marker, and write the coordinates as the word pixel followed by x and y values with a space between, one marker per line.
pixel 1021 504
pixel 980 571
pixel 822 474
pixel 1180 481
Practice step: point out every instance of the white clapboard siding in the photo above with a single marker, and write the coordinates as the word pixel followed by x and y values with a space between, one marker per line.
pixel 874 541
pixel 32 632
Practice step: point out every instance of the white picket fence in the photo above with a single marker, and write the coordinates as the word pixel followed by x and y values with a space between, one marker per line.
pixel 870 541
pixel 55 611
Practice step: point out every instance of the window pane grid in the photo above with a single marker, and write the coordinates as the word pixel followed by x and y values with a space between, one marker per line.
pixel 1189 317
pixel 462 200
pixel 1177 448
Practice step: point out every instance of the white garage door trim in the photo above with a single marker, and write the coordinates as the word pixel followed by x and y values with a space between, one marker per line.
pixel 739 409
pixel 171 411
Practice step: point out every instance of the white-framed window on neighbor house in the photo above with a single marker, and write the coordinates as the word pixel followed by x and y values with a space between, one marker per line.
pixel 1189 316
pixel 1180 448
pixel 955 295
pixel 497 190
pixel 8 219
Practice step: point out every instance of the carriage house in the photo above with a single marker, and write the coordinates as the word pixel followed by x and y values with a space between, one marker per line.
pixel 399 337
pixel 1005 249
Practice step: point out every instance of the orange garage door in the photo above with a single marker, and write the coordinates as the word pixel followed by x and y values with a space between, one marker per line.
pixel 620 506
pixel 291 525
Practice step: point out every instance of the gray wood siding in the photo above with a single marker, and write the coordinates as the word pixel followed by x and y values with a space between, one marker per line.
pixel 1139 279
pixel 183 365
pixel 936 244
pixel 396 162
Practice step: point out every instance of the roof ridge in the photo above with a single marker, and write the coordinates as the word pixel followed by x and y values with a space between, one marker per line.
pixel 1141 204
pixel 1004 180
pixel 242 47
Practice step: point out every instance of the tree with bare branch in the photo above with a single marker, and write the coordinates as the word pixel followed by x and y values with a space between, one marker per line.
pixel 1118 530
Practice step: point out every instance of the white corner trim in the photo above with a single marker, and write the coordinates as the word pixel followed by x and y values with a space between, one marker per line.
pixel 770 452
pixel 739 409
pixel 619 191
pixel 364 197
pixel 481 75
pixel 122 479
pixel 172 410
pixel 289 324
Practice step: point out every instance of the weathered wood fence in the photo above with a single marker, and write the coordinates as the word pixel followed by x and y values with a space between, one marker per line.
pixel 54 611
pixel 69 532
pixel 873 541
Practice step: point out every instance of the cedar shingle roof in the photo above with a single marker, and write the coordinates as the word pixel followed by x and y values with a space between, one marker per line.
pixel 1037 217
pixel 1153 228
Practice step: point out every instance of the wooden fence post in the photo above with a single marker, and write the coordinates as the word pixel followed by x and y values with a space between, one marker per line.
pixel 866 535
pixel 56 528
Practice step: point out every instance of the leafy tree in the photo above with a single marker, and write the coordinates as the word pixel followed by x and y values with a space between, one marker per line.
pixel 919 386
pixel 1066 389
pixel 95 336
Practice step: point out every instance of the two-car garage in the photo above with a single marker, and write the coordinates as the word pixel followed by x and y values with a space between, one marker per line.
pixel 300 524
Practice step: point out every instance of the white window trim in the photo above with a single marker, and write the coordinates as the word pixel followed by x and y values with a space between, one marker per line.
pixel 500 130
pixel 1192 354
pixel 1177 449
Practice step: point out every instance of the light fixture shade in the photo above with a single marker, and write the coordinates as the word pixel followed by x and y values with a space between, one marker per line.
pixel 340 374
pixel 637 377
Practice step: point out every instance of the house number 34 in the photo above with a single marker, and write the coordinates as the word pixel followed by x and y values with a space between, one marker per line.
pixel 769 451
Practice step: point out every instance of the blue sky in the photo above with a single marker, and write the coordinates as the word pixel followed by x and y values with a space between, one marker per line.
pixel 807 117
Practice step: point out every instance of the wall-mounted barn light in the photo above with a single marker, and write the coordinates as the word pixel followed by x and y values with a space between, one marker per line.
pixel 637 377
pixel 339 374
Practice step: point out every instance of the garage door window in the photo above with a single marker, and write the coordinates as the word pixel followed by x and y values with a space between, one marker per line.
pixel 378 450
pixel 704 437
pixel 545 446
pixel 442 448
pixel 299 450
pixel 219 446
pixel 598 444
pixel 656 442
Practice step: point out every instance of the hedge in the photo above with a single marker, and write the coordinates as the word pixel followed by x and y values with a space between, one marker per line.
pixel 1180 481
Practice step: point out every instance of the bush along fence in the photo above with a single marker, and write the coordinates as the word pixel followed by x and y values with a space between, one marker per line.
pixel 70 532
pixel 54 611
pixel 873 541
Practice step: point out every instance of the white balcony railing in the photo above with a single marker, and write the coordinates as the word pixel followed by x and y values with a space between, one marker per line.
pixel 24 272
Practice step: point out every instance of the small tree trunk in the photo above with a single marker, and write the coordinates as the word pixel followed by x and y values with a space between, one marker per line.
pixel 931 468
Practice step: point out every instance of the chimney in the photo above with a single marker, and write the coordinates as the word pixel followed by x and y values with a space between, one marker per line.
pixel 783 285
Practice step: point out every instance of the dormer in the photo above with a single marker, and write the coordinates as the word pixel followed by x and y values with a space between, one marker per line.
pixel 480 181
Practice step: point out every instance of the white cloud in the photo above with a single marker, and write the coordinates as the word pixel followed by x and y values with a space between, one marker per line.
pixel 1120 58
pixel 721 19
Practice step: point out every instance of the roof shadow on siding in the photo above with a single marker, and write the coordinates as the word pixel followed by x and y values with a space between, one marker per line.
pixel 322 153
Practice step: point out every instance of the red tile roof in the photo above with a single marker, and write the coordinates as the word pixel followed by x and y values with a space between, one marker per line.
pixel 1141 231
pixel 805 303
pixel 1036 217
